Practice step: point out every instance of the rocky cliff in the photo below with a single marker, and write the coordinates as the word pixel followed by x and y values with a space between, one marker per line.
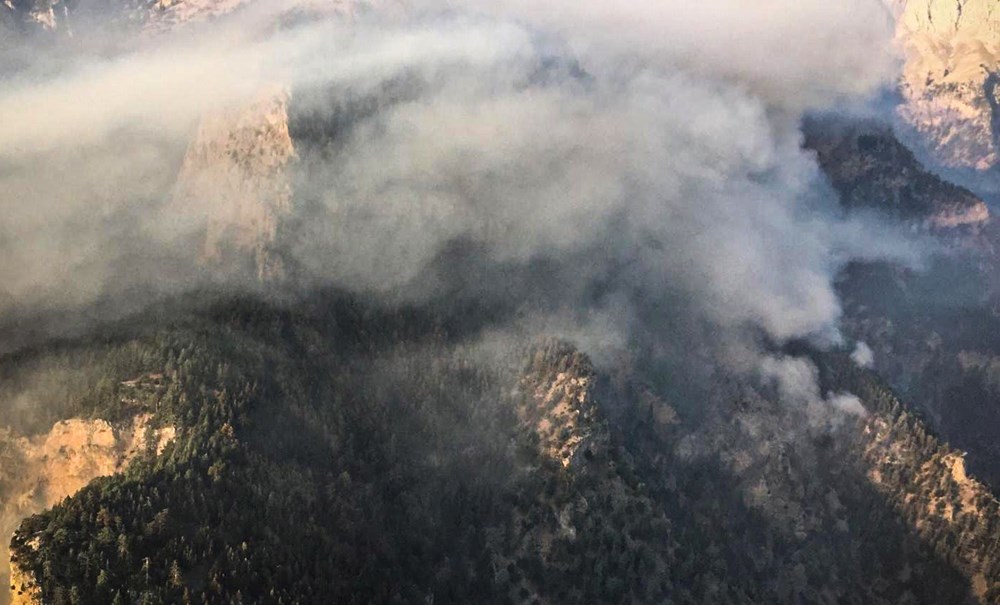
pixel 42 470
pixel 234 186
pixel 950 77
pixel 236 180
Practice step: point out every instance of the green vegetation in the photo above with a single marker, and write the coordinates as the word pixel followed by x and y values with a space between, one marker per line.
pixel 334 452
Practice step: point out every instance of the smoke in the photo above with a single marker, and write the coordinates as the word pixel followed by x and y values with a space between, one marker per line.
pixel 627 170
pixel 796 55
pixel 797 382
pixel 863 355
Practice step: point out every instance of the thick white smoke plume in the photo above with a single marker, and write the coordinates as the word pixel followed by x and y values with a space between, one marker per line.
pixel 863 355
pixel 635 159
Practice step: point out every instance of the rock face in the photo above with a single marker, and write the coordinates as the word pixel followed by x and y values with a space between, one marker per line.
pixel 43 470
pixel 562 413
pixel 23 589
pixel 237 178
pixel 950 77
pixel 235 185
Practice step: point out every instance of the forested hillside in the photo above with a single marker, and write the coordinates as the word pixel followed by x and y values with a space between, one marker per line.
pixel 340 452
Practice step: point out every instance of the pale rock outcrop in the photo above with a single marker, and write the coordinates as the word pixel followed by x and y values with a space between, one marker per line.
pixel 24 590
pixel 236 178
pixel 235 184
pixel 952 65
pixel 41 471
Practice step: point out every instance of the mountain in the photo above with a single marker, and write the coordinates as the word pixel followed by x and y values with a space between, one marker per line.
pixel 949 79
pixel 929 329
pixel 269 439
pixel 395 463
pixel 870 169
